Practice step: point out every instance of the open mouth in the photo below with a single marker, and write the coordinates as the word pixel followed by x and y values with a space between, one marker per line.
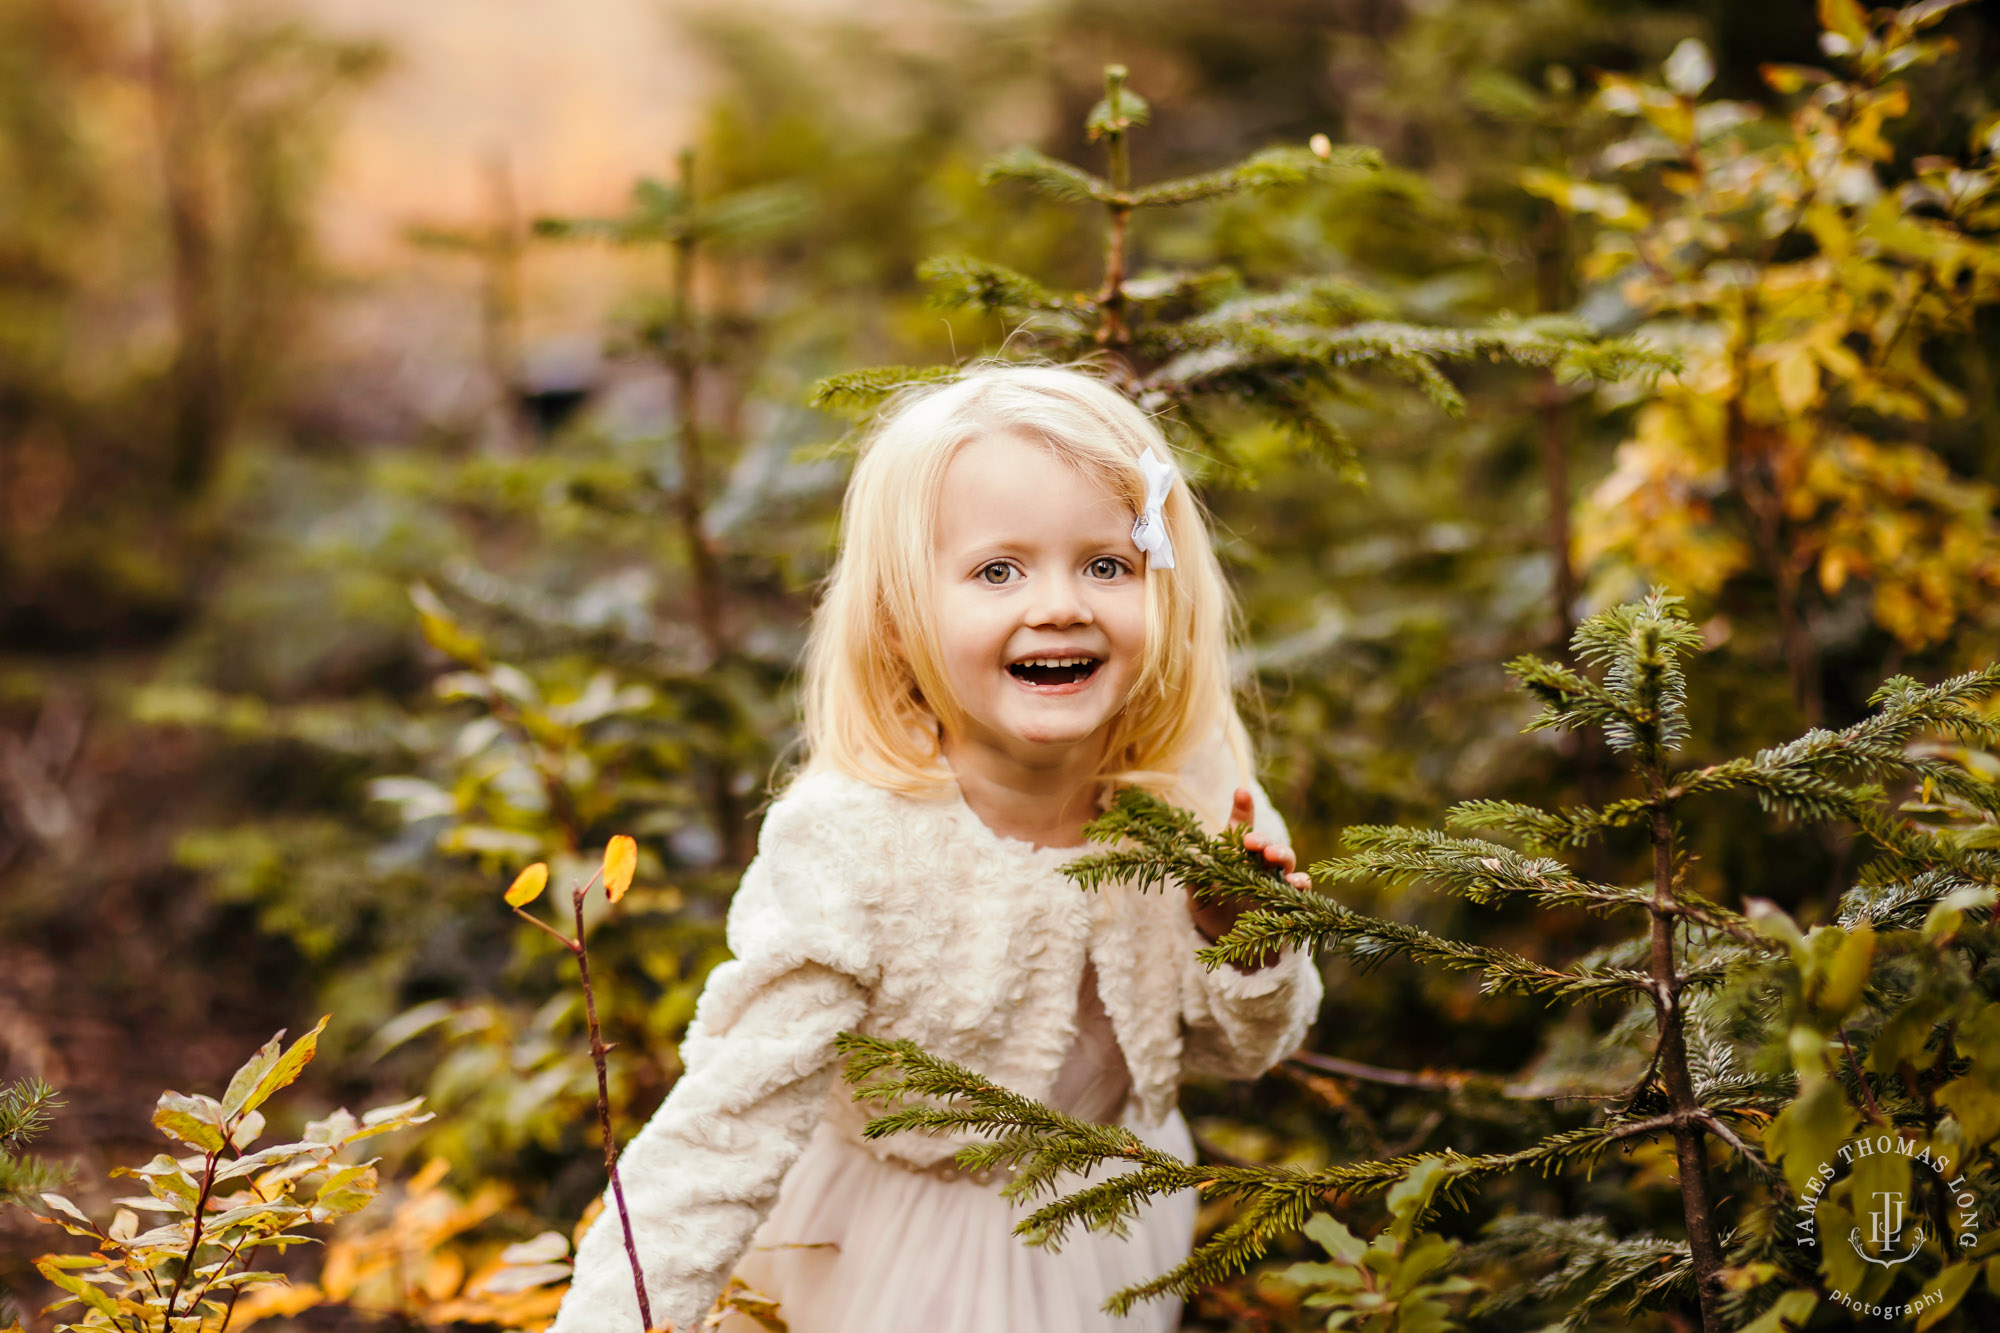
pixel 1070 670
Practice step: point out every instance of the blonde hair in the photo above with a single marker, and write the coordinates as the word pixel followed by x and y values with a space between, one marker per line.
pixel 874 673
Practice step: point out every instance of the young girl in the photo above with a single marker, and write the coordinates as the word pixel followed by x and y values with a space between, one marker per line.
pixel 1027 615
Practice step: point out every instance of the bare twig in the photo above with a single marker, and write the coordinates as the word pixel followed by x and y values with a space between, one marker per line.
pixel 1861 1079
pixel 598 1050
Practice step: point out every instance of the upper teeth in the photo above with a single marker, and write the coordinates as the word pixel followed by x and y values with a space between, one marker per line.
pixel 1055 661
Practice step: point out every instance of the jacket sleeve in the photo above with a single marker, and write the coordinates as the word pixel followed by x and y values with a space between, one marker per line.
pixel 1238 1024
pixel 759 1063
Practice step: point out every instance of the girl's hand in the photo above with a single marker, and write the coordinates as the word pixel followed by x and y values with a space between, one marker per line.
pixel 1214 920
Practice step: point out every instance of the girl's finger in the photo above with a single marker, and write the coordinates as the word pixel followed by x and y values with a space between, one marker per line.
pixel 1300 880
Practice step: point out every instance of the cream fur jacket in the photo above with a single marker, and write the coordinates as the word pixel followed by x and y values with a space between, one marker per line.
pixel 900 917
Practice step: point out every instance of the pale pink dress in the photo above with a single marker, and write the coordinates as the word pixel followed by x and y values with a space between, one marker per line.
pixel 917 1254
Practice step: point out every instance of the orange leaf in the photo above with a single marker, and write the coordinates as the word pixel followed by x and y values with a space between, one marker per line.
pixel 591 1211
pixel 528 885
pixel 276 1302
pixel 621 859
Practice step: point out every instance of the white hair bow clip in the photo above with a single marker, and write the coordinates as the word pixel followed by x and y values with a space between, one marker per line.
pixel 1149 530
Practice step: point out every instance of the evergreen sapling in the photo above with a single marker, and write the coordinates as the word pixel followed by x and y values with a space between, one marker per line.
pixel 26 1109
pixel 1189 344
pixel 1773 1041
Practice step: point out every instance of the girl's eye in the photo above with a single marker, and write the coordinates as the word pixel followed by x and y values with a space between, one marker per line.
pixel 986 572
pixel 1107 567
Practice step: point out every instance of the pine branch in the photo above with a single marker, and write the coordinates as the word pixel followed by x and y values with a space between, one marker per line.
pixel 1639 646
pixel 1665 1276
pixel 612 231
pixel 1699 911
pixel 1765 1236
pixel 1247 1237
pixel 1046 175
pixel 961 283
pixel 1550 828
pixel 1948 705
pixel 1483 872
pixel 1297 417
pixel 1799 777
pixel 1168 846
pixel 1208 288
pixel 1041 1145
pixel 1218 355
pixel 1905 904
pixel 1611 360
pixel 747 214
pixel 1569 700
pixel 1780 784
pixel 665 213
pixel 1586 1257
pixel 27 1108
pixel 859 393
pixel 1325 300
pixel 1301 920
pixel 1271 169
pixel 1907 851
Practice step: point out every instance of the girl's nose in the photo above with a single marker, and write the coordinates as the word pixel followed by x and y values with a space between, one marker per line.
pixel 1059 600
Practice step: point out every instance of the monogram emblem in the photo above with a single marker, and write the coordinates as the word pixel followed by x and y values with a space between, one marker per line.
pixel 1885 1226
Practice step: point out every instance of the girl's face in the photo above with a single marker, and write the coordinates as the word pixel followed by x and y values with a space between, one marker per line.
pixel 1041 601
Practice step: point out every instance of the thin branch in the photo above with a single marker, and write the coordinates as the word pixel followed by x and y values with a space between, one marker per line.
pixel 1758 1163
pixel 575 946
pixel 194 1235
pixel 1425 1080
pixel 1433 1080
pixel 1867 1093
pixel 598 1050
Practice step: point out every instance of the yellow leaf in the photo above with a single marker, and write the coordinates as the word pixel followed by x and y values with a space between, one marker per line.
pixel 621 859
pixel 528 885
pixel 1847 972
pixel 1844 19
pixel 1796 377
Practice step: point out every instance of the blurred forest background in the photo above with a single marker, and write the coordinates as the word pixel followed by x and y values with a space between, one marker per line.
pixel 382 510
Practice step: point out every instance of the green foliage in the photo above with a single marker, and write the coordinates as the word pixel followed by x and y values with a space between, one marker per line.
pixel 220 1203
pixel 1742 1018
pixel 1393 1284
pixel 262 631
pixel 27 1106
pixel 1193 343
pixel 667 213
pixel 1037 1146
pixel 1814 273
pixel 211 204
